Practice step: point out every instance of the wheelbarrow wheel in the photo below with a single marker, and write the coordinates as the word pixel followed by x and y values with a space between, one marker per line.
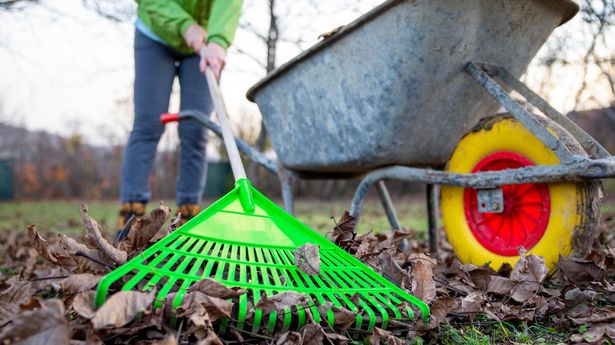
pixel 544 219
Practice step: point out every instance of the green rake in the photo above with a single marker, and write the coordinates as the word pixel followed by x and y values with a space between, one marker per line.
pixel 245 240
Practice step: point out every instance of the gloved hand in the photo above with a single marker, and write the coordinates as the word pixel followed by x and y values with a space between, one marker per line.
pixel 214 56
pixel 195 36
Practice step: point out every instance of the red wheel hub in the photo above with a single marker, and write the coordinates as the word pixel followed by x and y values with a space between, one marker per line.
pixel 526 209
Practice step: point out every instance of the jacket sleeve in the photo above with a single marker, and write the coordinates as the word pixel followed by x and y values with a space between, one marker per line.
pixel 168 19
pixel 223 21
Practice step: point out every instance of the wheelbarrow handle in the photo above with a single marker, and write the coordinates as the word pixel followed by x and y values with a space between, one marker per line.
pixel 227 133
pixel 169 117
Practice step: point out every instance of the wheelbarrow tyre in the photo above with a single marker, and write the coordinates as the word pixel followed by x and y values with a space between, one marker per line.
pixel 559 216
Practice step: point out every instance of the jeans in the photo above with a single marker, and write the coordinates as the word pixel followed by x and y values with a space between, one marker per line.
pixel 156 66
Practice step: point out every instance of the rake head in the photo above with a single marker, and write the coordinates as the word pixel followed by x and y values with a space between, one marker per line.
pixel 244 240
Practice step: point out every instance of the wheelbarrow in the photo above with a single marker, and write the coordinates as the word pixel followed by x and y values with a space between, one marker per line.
pixel 411 91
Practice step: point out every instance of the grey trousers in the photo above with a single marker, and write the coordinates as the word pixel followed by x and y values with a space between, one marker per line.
pixel 156 66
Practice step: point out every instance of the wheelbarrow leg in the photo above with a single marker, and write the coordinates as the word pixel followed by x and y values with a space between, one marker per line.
pixel 432 220
pixel 387 204
pixel 286 184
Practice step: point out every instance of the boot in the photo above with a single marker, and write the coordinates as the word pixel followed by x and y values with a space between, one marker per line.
pixel 187 212
pixel 128 210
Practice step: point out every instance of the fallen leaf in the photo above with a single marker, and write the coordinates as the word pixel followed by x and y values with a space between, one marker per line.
pixel 598 315
pixel 214 288
pixel 595 334
pixel 93 234
pixel 79 282
pixel 45 325
pixel 580 271
pixel 121 308
pixel 307 258
pixel 290 338
pixel 473 302
pixel 168 340
pixel 500 285
pixel 381 336
pixel 7 311
pixel 438 311
pixel 205 306
pixel 344 230
pixel 528 273
pixel 391 270
pixel 144 229
pixel 165 231
pixel 423 285
pixel 40 244
pixel 312 334
pixel 281 301
pixel 83 304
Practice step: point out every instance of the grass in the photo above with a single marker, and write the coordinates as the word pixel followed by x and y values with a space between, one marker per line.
pixel 63 215
pixel 484 332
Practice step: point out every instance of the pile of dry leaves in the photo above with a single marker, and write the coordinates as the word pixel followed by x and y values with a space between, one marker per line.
pixel 47 291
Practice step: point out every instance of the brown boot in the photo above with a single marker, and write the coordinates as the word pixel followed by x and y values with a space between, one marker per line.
pixel 188 211
pixel 128 210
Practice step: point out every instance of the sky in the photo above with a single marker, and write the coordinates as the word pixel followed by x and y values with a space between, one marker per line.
pixel 65 69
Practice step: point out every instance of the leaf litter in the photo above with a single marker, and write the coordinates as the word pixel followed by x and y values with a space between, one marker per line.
pixel 48 283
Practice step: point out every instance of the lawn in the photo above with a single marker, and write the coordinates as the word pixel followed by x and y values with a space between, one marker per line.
pixel 63 215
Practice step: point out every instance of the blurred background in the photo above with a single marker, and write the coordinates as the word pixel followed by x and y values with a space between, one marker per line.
pixel 66 73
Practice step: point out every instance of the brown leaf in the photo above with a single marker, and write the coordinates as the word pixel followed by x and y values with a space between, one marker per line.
pixel 528 272
pixel 168 340
pixel 144 229
pixel 330 33
pixel 40 244
pixel 362 250
pixel 473 302
pixel 481 276
pixel 580 271
pixel 165 231
pixel 307 259
pixel 598 315
pixel 391 270
pixel 312 334
pixel 214 288
pixel 122 308
pixel 381 336
pixel 595 334
pixel 79 282
pixel 290 338
pixel 211 339
pixel 343 318
pixel 45 325
pixel 93 234
pixel 83 304
pixel 82 258
pixel 344 230
pixel 423 285
pixel 500 285
pixel 19 291
pixel 439 310
pixel 7 311
pixel 281 301
pixel 204 307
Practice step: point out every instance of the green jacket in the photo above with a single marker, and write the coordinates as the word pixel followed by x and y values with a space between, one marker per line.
pixel 169 19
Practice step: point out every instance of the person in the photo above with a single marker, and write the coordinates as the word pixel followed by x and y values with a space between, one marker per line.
pixel 173 38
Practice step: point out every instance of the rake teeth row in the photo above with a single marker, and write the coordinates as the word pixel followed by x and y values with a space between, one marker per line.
pixel 181 259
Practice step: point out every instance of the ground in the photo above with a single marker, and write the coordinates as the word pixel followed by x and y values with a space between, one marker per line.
pixel 63 217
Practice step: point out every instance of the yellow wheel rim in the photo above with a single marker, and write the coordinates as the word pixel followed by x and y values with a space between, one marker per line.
pixel 508 135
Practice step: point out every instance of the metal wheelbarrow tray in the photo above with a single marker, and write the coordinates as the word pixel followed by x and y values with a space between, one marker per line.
pixel 389 88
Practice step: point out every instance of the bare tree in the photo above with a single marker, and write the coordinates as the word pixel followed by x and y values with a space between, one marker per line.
pixel 589 51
